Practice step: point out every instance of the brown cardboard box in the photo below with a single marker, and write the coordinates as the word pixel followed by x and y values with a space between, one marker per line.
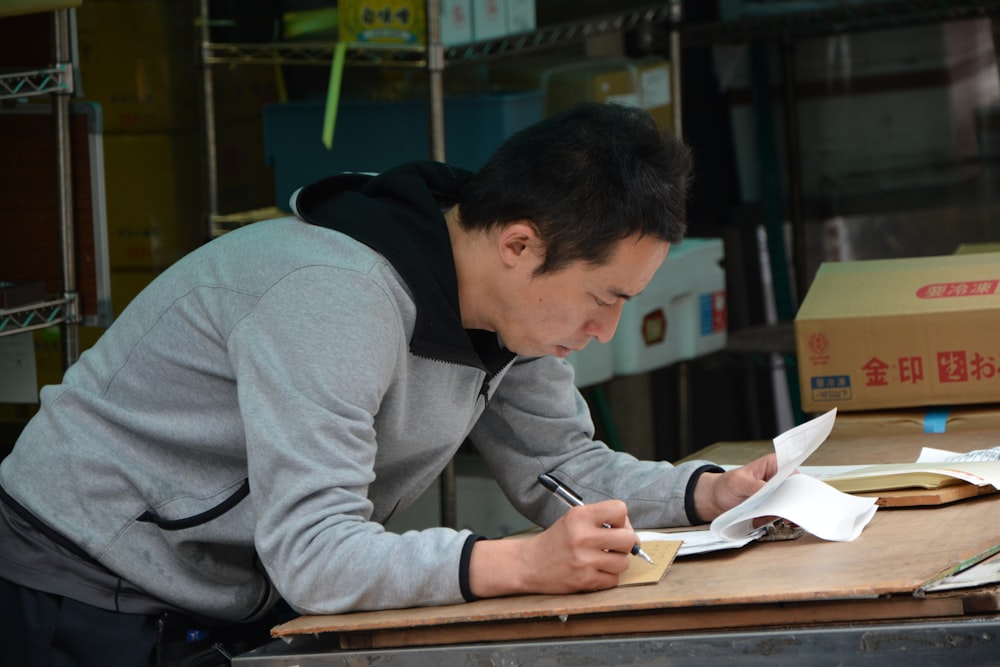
pixel 969 248
pixel 137 59
pixel 566 80
pixel 599 81
pixel 245 179
pixel 916 420
pixel 154 198
pixel 126 285
pixel 901 333
pixel 656 95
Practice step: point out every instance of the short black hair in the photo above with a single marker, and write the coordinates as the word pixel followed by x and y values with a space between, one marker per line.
pixel 586 178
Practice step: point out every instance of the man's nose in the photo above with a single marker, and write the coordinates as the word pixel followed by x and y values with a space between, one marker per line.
pixel 603 325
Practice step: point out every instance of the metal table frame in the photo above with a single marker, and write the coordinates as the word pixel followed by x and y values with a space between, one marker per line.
pixel 966 642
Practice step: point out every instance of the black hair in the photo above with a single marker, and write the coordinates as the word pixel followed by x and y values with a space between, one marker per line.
pixel 585 178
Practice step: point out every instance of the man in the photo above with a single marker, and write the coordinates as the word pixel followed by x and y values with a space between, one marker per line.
pixel 246 427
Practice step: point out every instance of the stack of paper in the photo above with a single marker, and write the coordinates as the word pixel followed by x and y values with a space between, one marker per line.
pixel 932 470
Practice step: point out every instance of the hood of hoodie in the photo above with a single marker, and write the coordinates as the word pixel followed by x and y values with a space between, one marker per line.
pixel 399 214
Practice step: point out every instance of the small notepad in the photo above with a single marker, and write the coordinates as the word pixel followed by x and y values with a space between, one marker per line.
pixel 640 572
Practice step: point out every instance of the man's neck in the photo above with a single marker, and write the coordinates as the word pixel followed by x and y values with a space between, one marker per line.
pixel 472 262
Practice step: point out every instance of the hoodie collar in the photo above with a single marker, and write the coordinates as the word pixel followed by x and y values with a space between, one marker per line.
pixel 399 214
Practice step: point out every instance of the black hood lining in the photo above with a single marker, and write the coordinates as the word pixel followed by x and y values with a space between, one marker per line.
pixel 399 215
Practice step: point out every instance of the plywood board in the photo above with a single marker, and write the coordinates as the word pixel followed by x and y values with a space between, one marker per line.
pixel 874 577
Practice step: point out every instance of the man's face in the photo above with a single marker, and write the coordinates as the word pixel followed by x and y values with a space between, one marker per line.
pixel 557 313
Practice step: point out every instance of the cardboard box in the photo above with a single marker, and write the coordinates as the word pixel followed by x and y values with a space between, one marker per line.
pixel 567 80
pixel 456 22
pixel 900 333
pixel 383 21
pixel 682 313
pixel 126 285
pixel 600 81
pixel 916 421
pixel 245 180
pixel 240 92
pixel 521 16
pixel 489 19
pixel 137 60
pixel 655 92
pixel 18 7
pixel 154 198
pixel 970 248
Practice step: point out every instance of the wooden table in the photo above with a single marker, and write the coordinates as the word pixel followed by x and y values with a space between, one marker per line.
pixel 807 599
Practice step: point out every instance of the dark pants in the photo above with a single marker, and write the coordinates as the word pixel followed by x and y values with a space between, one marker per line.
pixel 44 630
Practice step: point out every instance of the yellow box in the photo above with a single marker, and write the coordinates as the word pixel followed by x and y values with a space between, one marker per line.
pixel 154 198
pixel 240 92
pixel 896 333
pixel 245 179
pixel 126 284
pixel 567 80
pixel 598 82
pixel 655 91
pixel 383 21
pixel 137 60
pixel 18 7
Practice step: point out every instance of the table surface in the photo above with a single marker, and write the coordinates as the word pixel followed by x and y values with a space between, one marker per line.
pixel 877 577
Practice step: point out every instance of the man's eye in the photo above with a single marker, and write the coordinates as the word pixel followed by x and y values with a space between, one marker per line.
pixel 600 302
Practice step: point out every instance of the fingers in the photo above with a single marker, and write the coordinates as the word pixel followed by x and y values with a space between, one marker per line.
pixel 604 525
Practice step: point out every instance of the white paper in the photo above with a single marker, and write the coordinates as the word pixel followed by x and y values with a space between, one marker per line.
pixel 980 467
pixel 814 506
pixel 819 472
pixel 698 541
pixel 981 574
pixel 931 455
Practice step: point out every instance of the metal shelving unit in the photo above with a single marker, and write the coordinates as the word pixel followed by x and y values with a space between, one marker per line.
pixel 55 80
pixel 433 57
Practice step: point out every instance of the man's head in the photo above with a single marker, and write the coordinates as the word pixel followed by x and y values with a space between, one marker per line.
pixel 573 217
pixel 585 179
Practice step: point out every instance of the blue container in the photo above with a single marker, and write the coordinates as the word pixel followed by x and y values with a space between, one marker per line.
pixel 375 136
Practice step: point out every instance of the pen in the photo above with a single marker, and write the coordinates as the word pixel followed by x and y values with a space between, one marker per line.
pixel 573 499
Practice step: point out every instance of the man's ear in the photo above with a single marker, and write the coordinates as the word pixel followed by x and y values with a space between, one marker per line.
pixel 518 242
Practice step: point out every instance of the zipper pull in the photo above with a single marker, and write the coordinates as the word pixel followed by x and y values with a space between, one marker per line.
pixel 484 391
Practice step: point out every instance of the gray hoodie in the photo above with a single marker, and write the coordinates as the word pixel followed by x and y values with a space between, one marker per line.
pixel 255 415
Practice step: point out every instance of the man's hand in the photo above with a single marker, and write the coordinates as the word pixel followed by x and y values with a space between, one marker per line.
pixel 717 492
pixel 574 554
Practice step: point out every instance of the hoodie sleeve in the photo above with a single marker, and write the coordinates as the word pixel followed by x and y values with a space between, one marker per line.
pixel 539 422
pixel 308 403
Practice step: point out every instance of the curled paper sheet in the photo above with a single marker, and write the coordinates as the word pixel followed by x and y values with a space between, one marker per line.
pixel 807 502
pixel 815 506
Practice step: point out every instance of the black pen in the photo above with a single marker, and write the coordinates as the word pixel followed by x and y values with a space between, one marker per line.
pixel 573 499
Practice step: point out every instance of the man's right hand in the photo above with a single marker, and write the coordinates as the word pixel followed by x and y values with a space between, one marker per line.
pixel 574 554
